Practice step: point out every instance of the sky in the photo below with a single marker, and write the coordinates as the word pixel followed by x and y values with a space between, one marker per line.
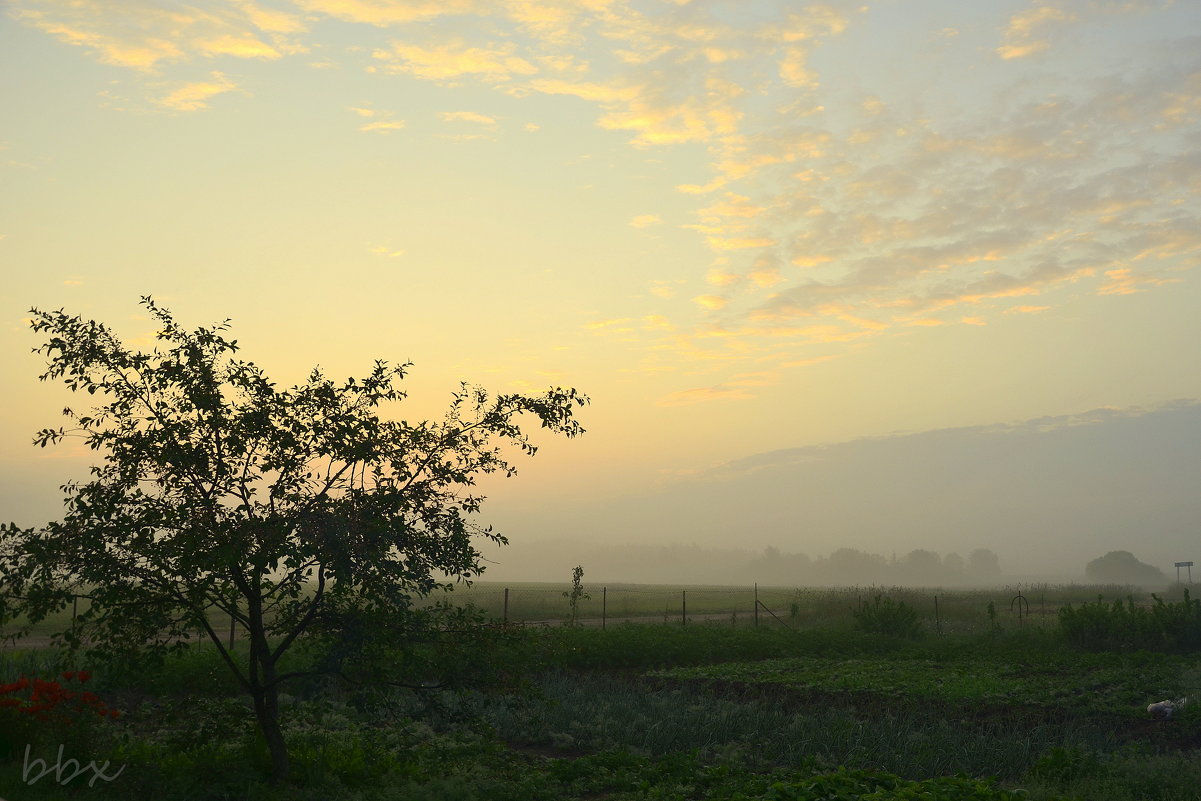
pixel 741 227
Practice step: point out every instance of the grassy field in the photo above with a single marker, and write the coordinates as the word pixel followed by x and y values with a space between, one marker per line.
pixel 957 610
pixel 701 711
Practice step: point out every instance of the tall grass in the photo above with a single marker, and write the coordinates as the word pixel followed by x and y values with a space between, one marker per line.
pixel 957 610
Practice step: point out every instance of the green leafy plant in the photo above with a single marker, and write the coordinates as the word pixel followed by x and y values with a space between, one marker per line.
pixel 576 594
pixel 886 616
pixel 1119 626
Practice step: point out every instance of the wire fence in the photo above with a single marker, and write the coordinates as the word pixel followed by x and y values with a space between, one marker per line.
pixel 943 611
pixel 799 607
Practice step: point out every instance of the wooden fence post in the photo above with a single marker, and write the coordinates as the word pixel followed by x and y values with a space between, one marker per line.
pixel 684 608
pixel 756 603
pixel 937 619
pixel 506 614
pixel 604 606
pixel 231 624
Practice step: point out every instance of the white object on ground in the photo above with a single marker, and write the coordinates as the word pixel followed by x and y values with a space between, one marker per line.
pixel 1163 710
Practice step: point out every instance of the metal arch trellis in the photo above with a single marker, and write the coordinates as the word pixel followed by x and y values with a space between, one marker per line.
pixel 1023 605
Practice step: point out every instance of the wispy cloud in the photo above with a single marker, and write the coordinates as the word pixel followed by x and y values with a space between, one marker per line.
pixel 467 116
pixel 384 13
pixel 144 35
pixel 195 96
pixel 737 387
pixel 1022 34
pixel 382 121
pixel 493 63
pixel 383 126
pixel 710 301
pixel 1125 281
pixel 645 221
pixel 833 215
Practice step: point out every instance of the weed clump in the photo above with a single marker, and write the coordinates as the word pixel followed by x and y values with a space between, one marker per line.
pixel 1125 626
pixel 886 616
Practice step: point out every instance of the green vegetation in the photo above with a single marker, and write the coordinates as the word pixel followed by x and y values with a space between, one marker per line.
pixel 959 611
pixel 1083 685
pixel 703 711
pixel 298 512
pixel 886 616
pixel 1128 626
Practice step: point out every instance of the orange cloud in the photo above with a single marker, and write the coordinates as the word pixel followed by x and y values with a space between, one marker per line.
pixel 388 12
pixel 710 301
pixel 1019 38
pixel 466 116
pixel 1125 281
pixel 455 60
pixel 195 96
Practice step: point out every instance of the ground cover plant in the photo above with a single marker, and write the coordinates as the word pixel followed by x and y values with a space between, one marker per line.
pixel 655 712
pixel 1076 683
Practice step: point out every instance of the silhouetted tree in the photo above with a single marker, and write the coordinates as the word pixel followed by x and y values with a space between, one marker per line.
pixel 983 564
pixel 853 566
pixel 1121 567
pixel 922 566
pixel 285 509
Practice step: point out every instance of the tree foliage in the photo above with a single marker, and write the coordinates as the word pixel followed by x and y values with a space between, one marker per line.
pixel 290 509
pixel 1122 567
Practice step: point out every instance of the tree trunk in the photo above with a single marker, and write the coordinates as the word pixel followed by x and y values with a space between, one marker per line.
pixel 262 674
pixel 266 709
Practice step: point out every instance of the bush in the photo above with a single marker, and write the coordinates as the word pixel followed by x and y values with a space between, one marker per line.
pixel 886 616
pixel 1126 627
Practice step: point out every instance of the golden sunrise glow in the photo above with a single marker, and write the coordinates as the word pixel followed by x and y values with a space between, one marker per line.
pixel 738 227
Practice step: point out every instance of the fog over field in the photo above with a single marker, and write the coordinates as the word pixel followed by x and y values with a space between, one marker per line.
pixel 1047 495
pixel 886 276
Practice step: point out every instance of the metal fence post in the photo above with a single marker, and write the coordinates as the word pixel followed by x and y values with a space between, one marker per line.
pixel 756 603
pixel 937 619
pixel 684 608
pixel 604 606
pixel 506 614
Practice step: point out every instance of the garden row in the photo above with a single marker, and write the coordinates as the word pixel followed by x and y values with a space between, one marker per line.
pixel 637 712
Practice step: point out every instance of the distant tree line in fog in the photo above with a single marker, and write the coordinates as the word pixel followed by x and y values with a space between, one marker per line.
pixel 544 560
pixel 607 562
pixel 849 566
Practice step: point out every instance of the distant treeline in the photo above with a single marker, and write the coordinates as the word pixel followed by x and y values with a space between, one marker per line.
pixel 693 564
pixel 849 566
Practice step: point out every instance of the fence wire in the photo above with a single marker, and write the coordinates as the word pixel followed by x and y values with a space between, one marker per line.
pixel 601 604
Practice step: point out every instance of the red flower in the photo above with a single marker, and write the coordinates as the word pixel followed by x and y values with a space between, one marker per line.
pixel 46 696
